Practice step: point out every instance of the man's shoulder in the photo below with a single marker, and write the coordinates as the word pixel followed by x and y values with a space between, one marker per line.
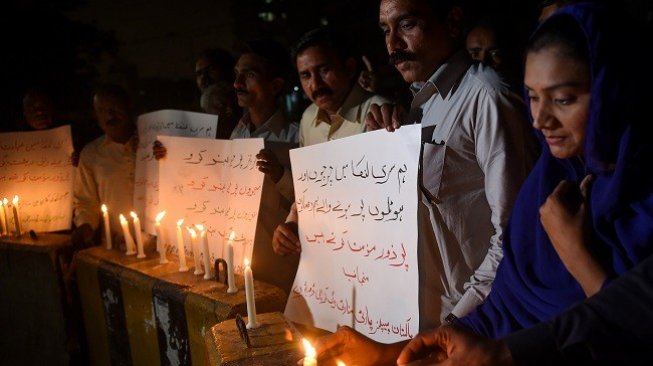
pixel 91 149
pixel 309 114
pixel 485 78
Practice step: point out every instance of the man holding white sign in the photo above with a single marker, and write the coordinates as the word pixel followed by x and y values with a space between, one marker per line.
pixel 328 73
pixel 106 166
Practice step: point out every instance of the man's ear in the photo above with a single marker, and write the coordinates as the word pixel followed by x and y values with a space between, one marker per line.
pixel 350 66
pixel 454 22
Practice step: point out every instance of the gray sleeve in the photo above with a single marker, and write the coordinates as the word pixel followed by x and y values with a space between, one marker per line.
pixel 504 153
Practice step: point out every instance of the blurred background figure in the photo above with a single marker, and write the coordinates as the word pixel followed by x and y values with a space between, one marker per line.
pixel 494 45
pixel 220 99
pixel 38 111
pixel 213 66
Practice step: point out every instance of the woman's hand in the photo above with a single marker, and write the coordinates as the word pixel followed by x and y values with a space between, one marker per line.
pixel 565 220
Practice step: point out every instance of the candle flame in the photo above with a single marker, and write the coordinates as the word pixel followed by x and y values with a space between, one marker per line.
pixel 246 262
pixel 232 236
pixel 133 215
pixel 123 220
pixel 159 217
pixel 180 222
pixel 192 232
pixel 199 227
pixel 309 349
pixel 104 208
pixel 15 201
pixel 340 363
pixel 5 201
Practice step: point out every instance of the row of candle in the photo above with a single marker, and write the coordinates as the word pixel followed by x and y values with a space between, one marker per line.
pixel 195 245
pixel 4 216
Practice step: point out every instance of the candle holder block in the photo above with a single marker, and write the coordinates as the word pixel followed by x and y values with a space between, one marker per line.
pixel 275 342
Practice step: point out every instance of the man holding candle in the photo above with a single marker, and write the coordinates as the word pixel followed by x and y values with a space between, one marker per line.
pixel 105 174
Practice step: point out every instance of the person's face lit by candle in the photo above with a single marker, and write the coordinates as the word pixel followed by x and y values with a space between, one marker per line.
pixel 559 94
pixel 325 77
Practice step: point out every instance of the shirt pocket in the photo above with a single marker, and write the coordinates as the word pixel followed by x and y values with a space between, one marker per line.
pixel 432 170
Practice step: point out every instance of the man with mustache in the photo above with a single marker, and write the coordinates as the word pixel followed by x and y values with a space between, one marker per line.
pixel 477 150
pixel 106 166
pixel 328 73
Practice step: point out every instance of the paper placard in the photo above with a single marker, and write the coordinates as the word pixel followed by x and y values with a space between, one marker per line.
pixel 214 183
pixel 36 166
pixel 146 176
pixel 357 204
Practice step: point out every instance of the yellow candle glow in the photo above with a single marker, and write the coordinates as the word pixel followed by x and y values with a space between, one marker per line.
pixel 129 242
pixel 6 214
pixel 107 229
pixel 3 224
pixel 309 354
pixel 181 250
pixel 160 242
pixel 16 215
pixel 208 274
pixel 139 235
pixel 196 251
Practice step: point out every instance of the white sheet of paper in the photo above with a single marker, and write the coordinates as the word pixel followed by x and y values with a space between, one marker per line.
pixel 146 176
pixel 36 166
pixel 214 183
pixel 357 204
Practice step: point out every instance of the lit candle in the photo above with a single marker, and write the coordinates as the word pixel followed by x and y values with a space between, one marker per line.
pixel 249 296
pixel 205 252
pixel 139 235
pixel 6 214
pixel 129 241
pixel 309 354
pixel 160 242
pixel 16 215
pixel 3 226
pixel 107 229
pixel 230 264
pixel 340 363
pixel 181 248
pixel 196 251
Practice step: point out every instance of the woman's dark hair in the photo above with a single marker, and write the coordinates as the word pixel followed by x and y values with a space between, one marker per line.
pixel 562 32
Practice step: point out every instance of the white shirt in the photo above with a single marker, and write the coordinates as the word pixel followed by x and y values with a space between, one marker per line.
pixel 349 120
pixel 478 149
pixel 105 174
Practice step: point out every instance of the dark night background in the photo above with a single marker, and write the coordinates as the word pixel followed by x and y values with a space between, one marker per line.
pixel 150 46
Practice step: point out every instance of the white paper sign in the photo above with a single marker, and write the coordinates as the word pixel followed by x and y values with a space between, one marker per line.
pixel 214 183
pixel 357 204
pixel 36 166
pixel 150 125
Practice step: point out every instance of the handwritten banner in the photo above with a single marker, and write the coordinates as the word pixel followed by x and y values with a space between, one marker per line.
pixel 357 204
pixel 214 183
pixel 150 125
pixel 36 166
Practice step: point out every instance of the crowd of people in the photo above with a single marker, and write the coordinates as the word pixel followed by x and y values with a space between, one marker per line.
pixel 529 253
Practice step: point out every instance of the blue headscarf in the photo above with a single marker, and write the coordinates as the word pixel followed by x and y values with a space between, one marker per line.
pixel 532 284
